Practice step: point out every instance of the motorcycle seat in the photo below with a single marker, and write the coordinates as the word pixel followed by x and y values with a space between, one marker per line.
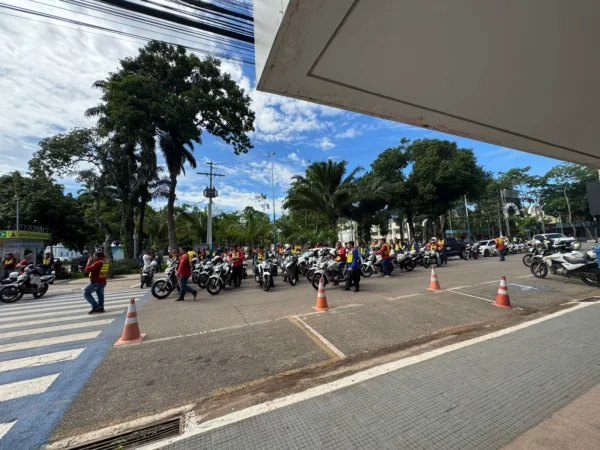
pixel 575 260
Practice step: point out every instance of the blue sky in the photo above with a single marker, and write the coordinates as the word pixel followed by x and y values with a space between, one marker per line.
pixel 46 75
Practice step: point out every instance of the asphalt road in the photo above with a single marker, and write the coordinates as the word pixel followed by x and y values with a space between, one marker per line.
pixel 194 351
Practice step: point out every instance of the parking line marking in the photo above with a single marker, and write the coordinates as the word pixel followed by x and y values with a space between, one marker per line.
pixel 24 388
pixel 402 296
pixel 40 360
pixel 525 276
pixel 68 326
pixel 49 341
pixel 317 338
pixel 5 428
pixel 474 296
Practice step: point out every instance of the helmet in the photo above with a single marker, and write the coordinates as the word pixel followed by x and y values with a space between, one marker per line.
pixel 577 245
pixel 287 246
pixel 433 239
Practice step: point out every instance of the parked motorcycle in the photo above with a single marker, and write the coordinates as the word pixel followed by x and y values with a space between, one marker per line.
pixel 205 270
pixel 264 277
pixel 290 269
pixel 163 287
pixel 568 265
pixel 147 274
pixel 29 282
pixel 220 278
pixel 403 261
pixel 328 270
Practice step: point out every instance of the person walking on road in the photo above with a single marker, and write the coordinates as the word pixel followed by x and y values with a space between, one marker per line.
pixel 353 265
pixel 184 272
pixel 98 270
pixel 500 246
pixel 8 265
pixel 384 251
pixel 238 265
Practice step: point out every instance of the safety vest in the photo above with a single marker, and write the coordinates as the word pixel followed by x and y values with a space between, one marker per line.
pixel 442 242
pixel 499 241
pixel 46 261
pixel 385 250
pixel 349 257
pixel 8 262
pixel 362 250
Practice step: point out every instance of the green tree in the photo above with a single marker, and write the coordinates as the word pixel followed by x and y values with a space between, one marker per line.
pixel 181 97
pixel 325 188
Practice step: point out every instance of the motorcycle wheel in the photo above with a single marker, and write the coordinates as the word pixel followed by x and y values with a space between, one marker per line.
pixel 213 286
pixel 11 294
pixel 202 279
pixel 591 280
pixel 316 279
pixel 527 259
pixel 41 291
pixel 310 274
pixel 426 264
pixel 195 278
pixel 149 282
pixel 266 283
pixel 410 265
pixel 476 255
pixel 245 275
pixel 366 271
pixel 142 283
pixel 292 280
pixel 160 289
pixel 465 255
pixel 539 269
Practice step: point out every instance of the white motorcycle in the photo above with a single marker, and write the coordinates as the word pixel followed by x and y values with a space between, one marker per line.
pixel 29 282
pixel 264 276
pixel 568 265
pixel 147 274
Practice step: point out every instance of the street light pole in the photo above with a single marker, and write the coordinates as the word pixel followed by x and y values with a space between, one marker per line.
pixel 468 226
pixel 210 193
pixel 270 156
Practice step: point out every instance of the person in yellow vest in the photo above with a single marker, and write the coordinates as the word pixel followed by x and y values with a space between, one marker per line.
pixel 444 251
pixel 47 263
pixel 98 270
pixel 500 246
pixel 8 265
pixel 397 245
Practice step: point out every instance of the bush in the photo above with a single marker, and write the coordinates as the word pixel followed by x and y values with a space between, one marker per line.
pixel 125 267
pixel 64 275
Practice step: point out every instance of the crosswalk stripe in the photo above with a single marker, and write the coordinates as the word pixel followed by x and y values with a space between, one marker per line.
pixel 63 314
pixel 19 389
pixel 59 302
pixel 40 360
pixel 49 341
pixel 5 428
pixel 68 326
pixel 77 307
pixel 6 326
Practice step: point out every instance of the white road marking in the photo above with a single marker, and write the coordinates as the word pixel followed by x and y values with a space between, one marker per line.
pixel 20 389
pixel 68 326
pixel 77 301
pixel 194 428
pixel 6 326
pixel 5 428
pixel 49 341
pixel 524 287
pixel 402 296
pixel 320 337
pixel 474 296
pixel 457 287
pixel 34 361
pixel 58 310
pixel 524 276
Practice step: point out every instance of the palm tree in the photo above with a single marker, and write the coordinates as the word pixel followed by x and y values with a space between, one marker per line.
pixel 325 189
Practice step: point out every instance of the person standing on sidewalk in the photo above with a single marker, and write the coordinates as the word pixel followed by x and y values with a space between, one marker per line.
pixel 500 247
pixel 8 265
pixel 184 272
pixel 98 269
pixel 353 265
pixel 385 258
pixel 238 257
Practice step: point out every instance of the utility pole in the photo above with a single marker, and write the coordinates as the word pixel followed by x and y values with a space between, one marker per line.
pixel 505 211
pixel 450 219
pixel 468 226
pixel 499 221
pixel 270 156
pixel 210 192
pixel 17 198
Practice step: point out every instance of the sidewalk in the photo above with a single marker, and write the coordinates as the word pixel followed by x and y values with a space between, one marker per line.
pixel 481 393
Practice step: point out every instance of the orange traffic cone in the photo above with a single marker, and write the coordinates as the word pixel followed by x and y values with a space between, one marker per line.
pixel 321 298
pixel 502 298
pixel 434 284
pixel 131 330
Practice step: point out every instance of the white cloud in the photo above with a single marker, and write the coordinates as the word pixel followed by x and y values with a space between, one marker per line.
pixel 349 133
pixel 325 144
pixel 296 159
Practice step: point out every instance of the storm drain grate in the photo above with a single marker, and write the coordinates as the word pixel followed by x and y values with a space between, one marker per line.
pixel 589 300
pixel 135 438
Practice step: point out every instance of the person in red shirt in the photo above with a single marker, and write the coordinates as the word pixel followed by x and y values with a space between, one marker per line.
pixel 340 257
pixel 98 270
pixel 184 272
pixel 385 258
pixel 237 257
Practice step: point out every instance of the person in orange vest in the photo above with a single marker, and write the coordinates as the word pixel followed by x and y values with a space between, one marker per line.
pixel 384 251
pixel 500 246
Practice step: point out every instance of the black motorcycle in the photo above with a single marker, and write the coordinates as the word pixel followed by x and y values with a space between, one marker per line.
pixel 290 269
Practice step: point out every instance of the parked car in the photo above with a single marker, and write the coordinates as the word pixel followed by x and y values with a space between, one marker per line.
pixel 454 247
pixel 487 248
pixel 552 237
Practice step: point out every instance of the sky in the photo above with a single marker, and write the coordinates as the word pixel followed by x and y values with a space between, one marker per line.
pixel 46 76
